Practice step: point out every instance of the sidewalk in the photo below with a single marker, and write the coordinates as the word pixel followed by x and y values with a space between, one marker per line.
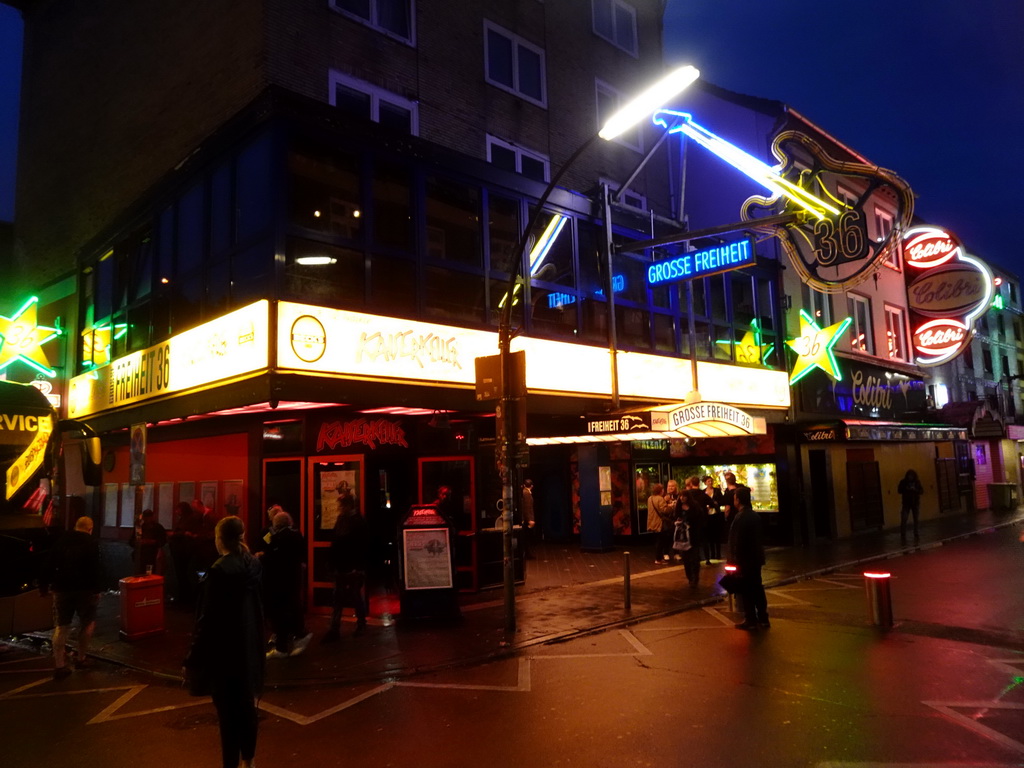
pixel 560 602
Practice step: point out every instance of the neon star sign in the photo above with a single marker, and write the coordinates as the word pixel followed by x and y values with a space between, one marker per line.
pixel 22 339
pixel 749 349
pixel 815 347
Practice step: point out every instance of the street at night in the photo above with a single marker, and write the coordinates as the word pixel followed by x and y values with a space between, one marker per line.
pixel 822 687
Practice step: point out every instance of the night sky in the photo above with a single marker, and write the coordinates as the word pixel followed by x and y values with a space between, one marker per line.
pixel 932 89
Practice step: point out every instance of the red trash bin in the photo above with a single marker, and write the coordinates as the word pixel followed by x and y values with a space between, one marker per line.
pixel 142 606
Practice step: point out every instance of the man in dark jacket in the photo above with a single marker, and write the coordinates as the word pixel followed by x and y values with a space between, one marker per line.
pixel 348 560
pixel 283 559
pixel 746 552
pixel 72 573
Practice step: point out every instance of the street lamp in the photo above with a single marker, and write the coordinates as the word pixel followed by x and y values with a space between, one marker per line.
pixel 625 118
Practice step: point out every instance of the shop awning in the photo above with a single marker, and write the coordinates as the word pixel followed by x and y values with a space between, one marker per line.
pixel 832 431
pixel 694 420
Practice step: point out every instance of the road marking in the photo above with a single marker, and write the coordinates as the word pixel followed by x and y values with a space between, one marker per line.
pixel 948 708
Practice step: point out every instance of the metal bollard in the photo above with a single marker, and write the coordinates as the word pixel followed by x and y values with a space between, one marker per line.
pixel 879 596
pixel 626 588
pixel 735 601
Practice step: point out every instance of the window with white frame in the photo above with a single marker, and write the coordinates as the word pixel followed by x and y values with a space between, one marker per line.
pixel 615 21
pixel 392 17
pixel 896 333
pixel 861 333
pixel 846 195
pixel 609 100
pixel 513 64
pixel 516 159
pixel 881 228
pixel 361 99
pixel 818 305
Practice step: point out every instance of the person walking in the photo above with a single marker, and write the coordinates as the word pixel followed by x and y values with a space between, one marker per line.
pixel 348 558
pixel 147 541
pixel 72 572
pixel 746 552
pixel 713 539
pixel 695 515
pixel 283 560
pixel 910 489
pixel 529 519
pixel 672 511
pixel 225 660
pixel 656 524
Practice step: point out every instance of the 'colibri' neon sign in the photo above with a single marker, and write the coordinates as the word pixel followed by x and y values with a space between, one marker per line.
pixel 946 291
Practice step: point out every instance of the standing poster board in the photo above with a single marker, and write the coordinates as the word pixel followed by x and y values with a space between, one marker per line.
pixel 427 558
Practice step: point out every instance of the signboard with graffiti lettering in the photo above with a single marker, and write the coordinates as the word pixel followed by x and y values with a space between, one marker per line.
pixel 947 290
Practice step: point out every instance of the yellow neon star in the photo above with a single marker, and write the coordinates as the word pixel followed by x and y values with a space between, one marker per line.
pixel 748 349
pixel 814 347
pixel 22 338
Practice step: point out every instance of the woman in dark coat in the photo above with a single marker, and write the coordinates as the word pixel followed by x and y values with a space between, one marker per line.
pixel 226 658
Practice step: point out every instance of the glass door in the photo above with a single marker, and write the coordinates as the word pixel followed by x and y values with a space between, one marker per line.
pixel 331 478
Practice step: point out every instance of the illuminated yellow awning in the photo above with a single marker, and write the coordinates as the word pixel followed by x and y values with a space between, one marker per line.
pixel 664 422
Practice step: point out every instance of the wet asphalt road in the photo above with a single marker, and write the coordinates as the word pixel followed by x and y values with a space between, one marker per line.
pixel 822 688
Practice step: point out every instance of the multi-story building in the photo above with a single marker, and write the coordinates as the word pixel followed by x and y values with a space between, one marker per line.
pixel 277 234
pixel 981 391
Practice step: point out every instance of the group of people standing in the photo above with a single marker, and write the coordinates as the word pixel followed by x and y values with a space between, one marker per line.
pixel 691 525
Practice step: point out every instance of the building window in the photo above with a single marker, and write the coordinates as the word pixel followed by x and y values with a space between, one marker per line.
pixel 896 333
pixel 819 305
pixel 513 64
pixel 392 17
pixel 516 159
pixel 986 361
pixel 861 333
pixel 615 21
pixel 363 100
pixel 609 101
pixel 881 229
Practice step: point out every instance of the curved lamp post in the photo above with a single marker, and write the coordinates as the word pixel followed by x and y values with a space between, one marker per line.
pixel 628 116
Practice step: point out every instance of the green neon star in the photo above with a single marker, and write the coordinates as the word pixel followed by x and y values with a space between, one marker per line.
pixel 814 347
pixel 22 338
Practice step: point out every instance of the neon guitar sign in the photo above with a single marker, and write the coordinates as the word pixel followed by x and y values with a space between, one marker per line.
pixel 840 238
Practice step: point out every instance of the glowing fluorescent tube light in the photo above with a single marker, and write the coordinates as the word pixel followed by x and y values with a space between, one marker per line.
pixel 649 100
pixel 540 251
pixel 759 171
pixel 315 261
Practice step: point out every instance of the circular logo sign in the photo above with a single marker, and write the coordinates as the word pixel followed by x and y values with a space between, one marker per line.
pixel 309 339
pixel 926 247
pixel 939 338
pixel 950 290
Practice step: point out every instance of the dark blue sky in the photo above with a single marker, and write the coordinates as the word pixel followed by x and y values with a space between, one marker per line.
pixel 10 77
pixel 932 89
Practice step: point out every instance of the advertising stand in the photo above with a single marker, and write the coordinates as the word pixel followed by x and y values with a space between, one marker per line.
pixel 426 567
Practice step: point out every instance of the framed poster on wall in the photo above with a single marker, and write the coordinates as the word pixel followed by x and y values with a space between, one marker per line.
pixel 165 505
pixel 128 505
pixel 232 497
pixel 110 499
pixel 208 494
pixel 187 491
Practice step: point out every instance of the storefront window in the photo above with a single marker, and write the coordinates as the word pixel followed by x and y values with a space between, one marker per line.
pixel 392 207
pixel 760 478
pixel 317 273
pixel 452 296
pixel 325 194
